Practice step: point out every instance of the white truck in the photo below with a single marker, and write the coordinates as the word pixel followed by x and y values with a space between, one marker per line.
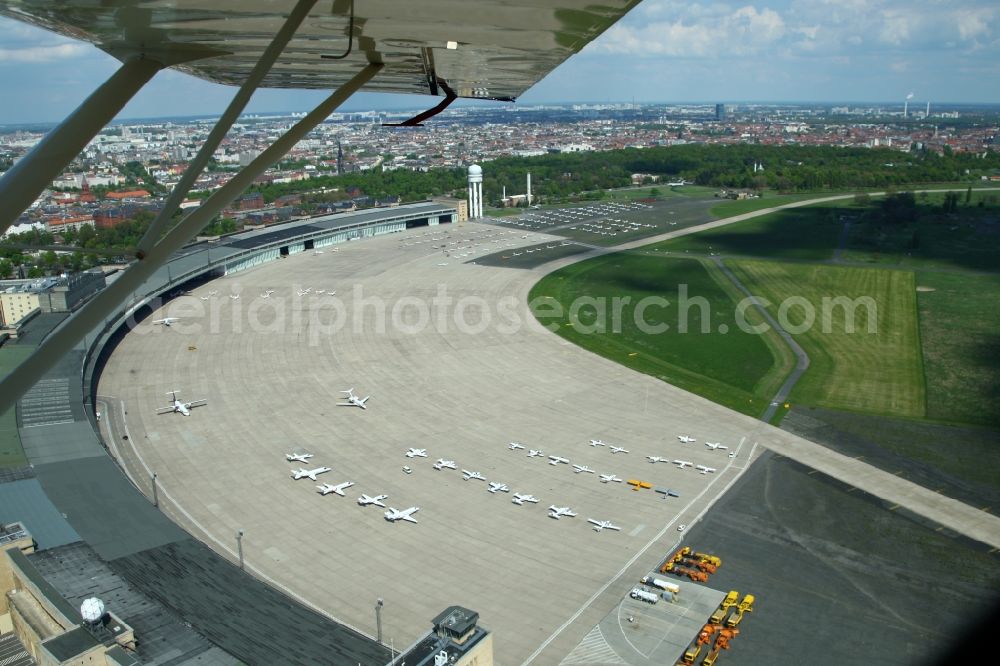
pixel 673 588
pixel 644 595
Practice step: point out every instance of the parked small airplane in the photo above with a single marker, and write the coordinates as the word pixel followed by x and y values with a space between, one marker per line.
pixel 705 470
pixel 327 488
pixel 555 460
pixel 182 407
pixel 656 459
pixel 597 442
pixel 532 453
pixel 235 297
pixel 473 475
pixel 682 463
pixel 416 453
pixel 514 446
pixel 365 500
pixel 605 478
pixel 685 439
pixel 498 487
pixel 166 321
pixel 558 512
pixel 303 473
pixel 715 445
pixel 582 468
pixel 392 515
pixel 303 293
pixel 603 525
pixel 618 449
pixel 353 400
pixel 521 499
pixel 298 457
pixel 442 464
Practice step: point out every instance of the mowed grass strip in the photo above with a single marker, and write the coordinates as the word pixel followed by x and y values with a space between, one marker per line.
pixel 690 340
pixel 880 372
pixel 960 336
pixel 808 233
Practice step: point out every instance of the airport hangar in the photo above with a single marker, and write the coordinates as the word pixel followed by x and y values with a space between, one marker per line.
pixel 95 534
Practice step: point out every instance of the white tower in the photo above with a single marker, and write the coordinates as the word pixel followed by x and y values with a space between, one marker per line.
pixel 475 192
pixel 529 189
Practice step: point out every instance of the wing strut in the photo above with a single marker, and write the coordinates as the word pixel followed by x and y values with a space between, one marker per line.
pixel 226 121
pixel 415 121
pixel 104 303
pixel 35 171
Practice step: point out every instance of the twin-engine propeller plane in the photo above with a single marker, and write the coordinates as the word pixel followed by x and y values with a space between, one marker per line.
pixel 179 406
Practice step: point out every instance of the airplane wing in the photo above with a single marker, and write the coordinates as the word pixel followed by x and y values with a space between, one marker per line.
pixel 481 48
pixel 196 403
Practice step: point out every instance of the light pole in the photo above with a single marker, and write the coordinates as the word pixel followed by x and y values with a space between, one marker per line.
pixel 239 546
pixel 378 618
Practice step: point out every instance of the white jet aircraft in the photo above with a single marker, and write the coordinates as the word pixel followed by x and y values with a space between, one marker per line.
pixel 558 512
pixel 618 449
pixel 682 463
pixel 597 442
pixel 392 515
pixel 555 460
pixel 685 439
pixel 166 321
pixel 303 473
pixel 605 478
pixel 416 453
pixel 656 459
pixel 298 457
pixel 365 500
pixel 514 446
pixel 705 470
pixel 182 407
pixel 327 488
pixel 532 453
pixel 715 445
pixel 521 499
pixel 582 468
pixel 498 487
pixel 603 525
pixel 473 475
pixel 353 400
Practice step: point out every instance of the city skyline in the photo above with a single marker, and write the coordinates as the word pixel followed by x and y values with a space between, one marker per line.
pixel 662 52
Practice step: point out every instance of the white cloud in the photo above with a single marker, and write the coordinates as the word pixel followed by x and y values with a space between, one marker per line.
pixel 49 53
pixel 707 32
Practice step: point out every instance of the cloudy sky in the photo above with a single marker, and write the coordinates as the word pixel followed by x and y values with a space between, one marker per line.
pixel 663 51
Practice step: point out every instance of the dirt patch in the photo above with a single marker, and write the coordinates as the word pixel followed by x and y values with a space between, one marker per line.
pixel 919 288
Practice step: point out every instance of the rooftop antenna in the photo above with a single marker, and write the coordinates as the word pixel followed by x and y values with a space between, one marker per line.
pixel 906 103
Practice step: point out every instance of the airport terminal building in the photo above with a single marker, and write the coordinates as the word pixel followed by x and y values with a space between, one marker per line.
pixel 76 535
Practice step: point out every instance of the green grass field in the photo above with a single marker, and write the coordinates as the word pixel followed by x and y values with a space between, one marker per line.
pixel 880 373
pixel 809 233
pixel 960 335
pixel 11 453
pixel 734 368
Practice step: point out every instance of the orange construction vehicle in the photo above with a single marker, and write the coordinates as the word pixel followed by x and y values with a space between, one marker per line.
pixel 707 567
pixel 693 574
pixel 721 643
